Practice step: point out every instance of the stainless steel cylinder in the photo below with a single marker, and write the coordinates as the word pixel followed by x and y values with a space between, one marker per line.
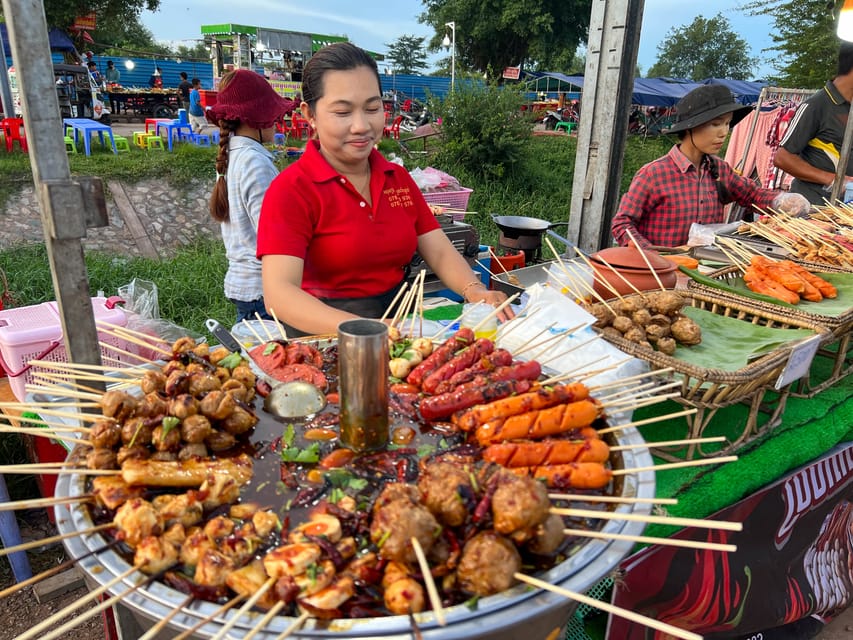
pixel 363 384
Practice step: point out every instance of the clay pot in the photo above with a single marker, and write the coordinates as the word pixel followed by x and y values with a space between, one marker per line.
pixel 626 263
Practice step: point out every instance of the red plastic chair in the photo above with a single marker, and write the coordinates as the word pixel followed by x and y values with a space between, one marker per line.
pixel 394 130
pixel 299 128
pixel 13 129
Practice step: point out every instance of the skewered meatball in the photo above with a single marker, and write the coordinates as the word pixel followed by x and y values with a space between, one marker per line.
pixel 603 315
pixel 488 564
pixel 118 404
pixel 641 317
pixel 548 536
pixel 152 382
pixel 136 452
pixel 244 375
pixel 236 390
pixel 101 459
pixel 397 517
pixel 446 491
pixel 239 421
pixel 627 306
pixel 219 441
pixel 136 432
pixel 177 382
pixel 655 332
pixel 519 503
pixel 165 439
pixel 183 406
pixel 184 344
pixel 105 434
pixel 151 405
pixel 172 365
pixel 217 405
pixel 164 456
pixel 195 429
pixel 201 383
pixel 190 451
pixel 685 331
pixel 635 334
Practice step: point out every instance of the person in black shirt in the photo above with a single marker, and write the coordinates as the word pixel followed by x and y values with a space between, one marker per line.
pixel 185 87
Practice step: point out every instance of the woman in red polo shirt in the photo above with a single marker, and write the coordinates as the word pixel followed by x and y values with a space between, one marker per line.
pixel 339 227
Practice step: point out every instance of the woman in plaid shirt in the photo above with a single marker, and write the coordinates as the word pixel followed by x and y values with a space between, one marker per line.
pixel 690 184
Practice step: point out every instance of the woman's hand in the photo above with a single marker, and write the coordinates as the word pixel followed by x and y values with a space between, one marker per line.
pixel 494 298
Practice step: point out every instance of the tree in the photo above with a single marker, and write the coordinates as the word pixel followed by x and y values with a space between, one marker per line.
pixel 704 49
pixel 407 54
pixel 491 36
pixel 805 37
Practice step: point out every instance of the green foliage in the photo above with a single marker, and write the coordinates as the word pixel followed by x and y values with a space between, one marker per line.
pixel 805 44
pixel 407 54
pixel 706 48
pixel 503 33
pixel 484 130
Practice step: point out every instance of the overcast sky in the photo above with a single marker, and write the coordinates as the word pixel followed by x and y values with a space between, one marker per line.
pixel 374 24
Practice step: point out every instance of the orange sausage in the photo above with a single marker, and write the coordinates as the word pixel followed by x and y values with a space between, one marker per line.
pixel 546 452
pixel 539 424
pixel 573 475
pixel 827 289
pixel 542 398
pixel 771 271
pixel 759 284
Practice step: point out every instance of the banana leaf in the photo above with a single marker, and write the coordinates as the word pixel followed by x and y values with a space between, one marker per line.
pixel 731 344
pixel 832 307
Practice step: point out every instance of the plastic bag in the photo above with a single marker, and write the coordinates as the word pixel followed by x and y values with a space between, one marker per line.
pixel 430 179
pixel 702 235
pixel 142 307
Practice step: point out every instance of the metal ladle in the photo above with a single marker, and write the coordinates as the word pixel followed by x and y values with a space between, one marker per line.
pixel 295 399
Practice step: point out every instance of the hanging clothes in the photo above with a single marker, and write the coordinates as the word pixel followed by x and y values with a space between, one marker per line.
pixel 752 160
pixel 775 178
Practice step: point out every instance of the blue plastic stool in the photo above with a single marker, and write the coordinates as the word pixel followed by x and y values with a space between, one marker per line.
pixel 279 138
pixel 11 537
pixel 201 139
pixel 214 136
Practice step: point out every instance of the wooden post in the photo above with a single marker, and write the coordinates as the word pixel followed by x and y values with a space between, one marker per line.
pixel 614 35
pixel 65 204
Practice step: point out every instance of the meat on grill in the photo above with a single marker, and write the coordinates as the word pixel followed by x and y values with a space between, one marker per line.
pixel 488 564
pixel 398 516
pixel 445 489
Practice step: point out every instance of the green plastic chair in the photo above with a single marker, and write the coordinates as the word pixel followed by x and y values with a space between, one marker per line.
pixel 568 126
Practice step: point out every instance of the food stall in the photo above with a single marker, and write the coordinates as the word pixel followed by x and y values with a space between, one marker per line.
pixel 135 103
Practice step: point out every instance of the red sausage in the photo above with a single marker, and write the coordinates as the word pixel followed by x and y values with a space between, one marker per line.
pixel 497 358
pixel 442 354
pixel 467 395
pixel 459 362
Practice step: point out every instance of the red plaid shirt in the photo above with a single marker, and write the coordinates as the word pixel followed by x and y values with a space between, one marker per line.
pixel 667 195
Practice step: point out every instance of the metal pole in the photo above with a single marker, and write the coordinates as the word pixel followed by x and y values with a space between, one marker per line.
pixel 5 89
pixel 67 207
pixel 841 169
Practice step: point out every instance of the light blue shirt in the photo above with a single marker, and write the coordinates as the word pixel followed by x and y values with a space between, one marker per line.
pixel 250 171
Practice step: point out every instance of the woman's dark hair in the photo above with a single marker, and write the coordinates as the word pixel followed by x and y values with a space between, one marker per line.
pixel 340 56
pixel 723 194
pixel 219 209
pixel 845 58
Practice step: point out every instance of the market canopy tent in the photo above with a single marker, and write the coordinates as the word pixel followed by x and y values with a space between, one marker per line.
pixel 57 39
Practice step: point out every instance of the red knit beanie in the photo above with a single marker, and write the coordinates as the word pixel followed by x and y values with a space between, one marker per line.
pixel 249 98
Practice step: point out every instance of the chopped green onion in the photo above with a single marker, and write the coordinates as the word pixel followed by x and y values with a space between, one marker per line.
pixel 169 423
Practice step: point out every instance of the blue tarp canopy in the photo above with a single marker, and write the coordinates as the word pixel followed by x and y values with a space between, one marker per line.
pixel 651 92
pixel 58 39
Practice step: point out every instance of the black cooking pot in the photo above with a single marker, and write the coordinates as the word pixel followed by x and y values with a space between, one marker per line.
pixel 516 226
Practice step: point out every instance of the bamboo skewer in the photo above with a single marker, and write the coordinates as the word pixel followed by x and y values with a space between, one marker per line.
pixel 43 433
pixel 55 426
pixel 263 324
pixel 610 499
pixel 524 345
pixel 668 443
pixel 432 591
pixel 609 608
pixel 81 416
pixel 562 354
pixel 645 259
pixel 129 354
pixel 508 327
pixel 146 337
pixel 34 467
pixel 720 525
pixel 33 406
pixel 131 336
pixel 603 281
pixel 161 624
pixel 65 381
pixel 95 377
pixel 62 536
pixel 491 273
pixel 293 628
pixel 576 372
pixel 60 615
pixel 622 381
pixel 634 403
pixel 627 282
pixel 263 622
pixel 246 606
pixel 394 301
pixel 105 604
pixel 640 423
pixel 278 324
pixel 77 366
pixel 221 610
pixel 676 465
pixel 421 305
pixel 64 391
pixel 503 305
pixel 666 542
pixel 20 505
pixel 254 333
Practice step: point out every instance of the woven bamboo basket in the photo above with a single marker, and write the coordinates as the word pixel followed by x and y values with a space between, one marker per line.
pixel 708 389
pixel 836 346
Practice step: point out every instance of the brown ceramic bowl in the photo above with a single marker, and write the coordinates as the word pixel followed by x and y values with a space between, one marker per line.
pixel 631 258
pixel 639 279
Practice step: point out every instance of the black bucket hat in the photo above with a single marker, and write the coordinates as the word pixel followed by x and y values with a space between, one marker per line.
pixel 705 103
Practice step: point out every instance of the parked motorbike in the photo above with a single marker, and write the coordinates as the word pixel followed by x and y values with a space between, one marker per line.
pixel 415 118
pixel 563 114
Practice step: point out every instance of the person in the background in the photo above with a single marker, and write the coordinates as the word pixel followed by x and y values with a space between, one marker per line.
pixel 96 75
pixel 691 184
pixel 112 75
pixel 185 86
pixel 811 147
pixel 246 109
pixel 196 110
pixel 156 79
pixel 339 227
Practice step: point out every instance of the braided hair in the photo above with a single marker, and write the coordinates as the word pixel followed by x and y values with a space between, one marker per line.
pixel 219 209
pixel 723 194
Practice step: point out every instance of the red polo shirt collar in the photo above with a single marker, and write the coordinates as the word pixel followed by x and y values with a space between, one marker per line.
pixel 318 169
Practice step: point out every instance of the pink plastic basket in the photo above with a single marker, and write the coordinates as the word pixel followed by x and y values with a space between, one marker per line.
pixel 35 333
pixel 451 200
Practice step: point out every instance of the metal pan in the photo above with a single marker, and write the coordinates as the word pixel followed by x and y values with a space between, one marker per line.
pixel 516 226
